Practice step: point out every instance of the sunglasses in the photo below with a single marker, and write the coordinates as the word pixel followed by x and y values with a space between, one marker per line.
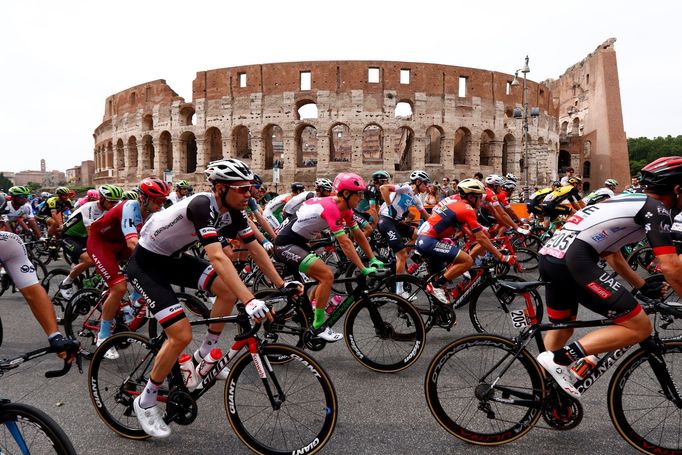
pixel 160 200
pixel 241 189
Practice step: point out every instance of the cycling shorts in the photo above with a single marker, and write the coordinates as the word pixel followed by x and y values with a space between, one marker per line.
pixel 438 253
pixel 578 279
pixel 534 208
pixel 553 211
pixel 294 257
pixel 73 247
pixel 106 255
pixel 395 232
pixel 153 274
pixel 14 258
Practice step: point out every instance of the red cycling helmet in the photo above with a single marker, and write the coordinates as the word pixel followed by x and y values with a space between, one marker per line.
pixel 349 181
pixel 153 187
pixel 662 175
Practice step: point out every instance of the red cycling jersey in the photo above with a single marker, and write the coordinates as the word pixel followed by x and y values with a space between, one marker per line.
pixel 446 220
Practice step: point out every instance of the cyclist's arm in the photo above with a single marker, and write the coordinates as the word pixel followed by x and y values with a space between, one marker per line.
pixel 385 191
pixel 131 223
pixel 361 239
pixel 620 265
pixel 580 204
pixel 263 260
pixel 671 266
pixel 512 214
pixel 34 227
pixel 264 223
pixel 347 247
pixel 374 212
pixel 502 217
pixel 259 235
pixel 226 271
pixel 485 242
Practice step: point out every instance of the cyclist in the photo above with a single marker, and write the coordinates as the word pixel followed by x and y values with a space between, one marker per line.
pixel 315 215
pixel 19 210
pixel 113 238
pixel 552 204
pixel 254 209
pixel 568 262
pixel 504 196
pixel 14 259
pixel 180 193
pixel 38 201
pixel 130 195
pixel 52 213
pixel 397 199
pixel 158 263
pixel 602 193
pixel 90 196
pixel 323 188
pixel 447 218
pixel 491 208
pixel 76 230
pixel 372 198
pixel 273 209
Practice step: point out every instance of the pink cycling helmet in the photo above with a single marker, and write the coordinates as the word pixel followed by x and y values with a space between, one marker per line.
pixel 92 194
pixel 349 181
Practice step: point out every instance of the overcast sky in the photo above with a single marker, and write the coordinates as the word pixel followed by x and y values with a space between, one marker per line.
pixel 61 59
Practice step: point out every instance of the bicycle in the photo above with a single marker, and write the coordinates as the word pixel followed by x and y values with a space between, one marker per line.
pixel 26 429
pixel 382 330
pixel 287 406
pixel 489 390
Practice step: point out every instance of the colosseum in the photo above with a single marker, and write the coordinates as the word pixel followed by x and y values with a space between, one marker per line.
pixel 303 120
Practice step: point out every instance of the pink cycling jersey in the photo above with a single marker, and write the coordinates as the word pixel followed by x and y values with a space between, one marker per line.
pixel 321 213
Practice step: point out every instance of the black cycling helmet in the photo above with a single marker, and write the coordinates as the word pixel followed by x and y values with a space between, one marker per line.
pixel 297 187
pixel 662 175
pixel 257 180
pixel 380 175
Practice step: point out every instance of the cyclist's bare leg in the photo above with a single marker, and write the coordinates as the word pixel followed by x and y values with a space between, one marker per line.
pixel 613 337
pixel 84 264
pixel 224 303
pixel 323 274
pixel 401 260
pixel 557 339
pixel 461 264
pixel 179 336
pixel 113 301
pixel 41 307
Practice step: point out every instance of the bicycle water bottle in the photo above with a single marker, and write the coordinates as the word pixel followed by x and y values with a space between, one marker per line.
pixel 205 366
pixel 333 303
pixel 583 367
pixel 189 375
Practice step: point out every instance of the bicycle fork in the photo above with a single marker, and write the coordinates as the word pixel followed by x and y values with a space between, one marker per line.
pixel 658 365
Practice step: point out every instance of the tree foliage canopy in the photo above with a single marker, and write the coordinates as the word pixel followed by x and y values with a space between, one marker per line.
pixel 643 150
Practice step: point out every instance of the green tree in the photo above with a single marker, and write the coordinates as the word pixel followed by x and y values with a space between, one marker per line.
pixel 643 150
pixel 34 186
pixel 5 183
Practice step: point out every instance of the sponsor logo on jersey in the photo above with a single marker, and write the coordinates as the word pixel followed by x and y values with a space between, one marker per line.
pixel 600 291
pixel 575 219
pixel 208 232
pixel 599 236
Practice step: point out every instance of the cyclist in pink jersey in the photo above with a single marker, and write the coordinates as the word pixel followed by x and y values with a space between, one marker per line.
pixel 315 215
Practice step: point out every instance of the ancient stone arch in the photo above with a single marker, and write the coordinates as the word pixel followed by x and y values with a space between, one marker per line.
pixel 214 143
pixel 403 140
pixel 241 142
pixel 165 152
pixel 486 148
pixel 433 144
pixel 306 145
pixel 340 143
pixel 273 142
pixel 462 145
pixel 373 144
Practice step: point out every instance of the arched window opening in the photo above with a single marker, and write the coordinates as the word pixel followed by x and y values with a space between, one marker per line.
pixel 508 152
pixel 120 163
pixel 165 151
pixel 587 150
pixel 403 148
pixel 564 161
pixel 586 187
pixel 187 116
pixel 373 144
pixel 241 142
pixel 340 144
pixel 110 156
pixel 147 123
pixel 434 139
pixel 273 138
pixel 214 142
pixel 148 153
pixel 306 110
pixel 486 149
pixel 586 169
pixel 403 110
pixel 575 131
pixel 564 129
pixel 306 141
pixel 132 153
pixel 462 143
pixel 188 144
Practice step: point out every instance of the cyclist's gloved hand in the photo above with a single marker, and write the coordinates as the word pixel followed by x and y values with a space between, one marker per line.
pixel 257 309
pixel 267 245
pixel 651 290
pixel 522 231
pixel 392 212
pixel 293 285
pixel 64 346
pixel 366 271
pixel 376 263
pixel 508 259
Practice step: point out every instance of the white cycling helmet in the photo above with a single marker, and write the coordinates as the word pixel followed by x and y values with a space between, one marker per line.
pixel 324 184
pixel 229 170
pixel 419 175
pixel 511 177
pixel 471 186
pixel 611 182
pixel 494 180
pixel 509 185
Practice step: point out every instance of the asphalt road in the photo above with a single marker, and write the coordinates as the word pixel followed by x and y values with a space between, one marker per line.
pixel 377 413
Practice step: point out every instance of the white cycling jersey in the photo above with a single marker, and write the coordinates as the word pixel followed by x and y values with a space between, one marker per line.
pixel 14 258
pixel 24 210
pixel 291 207
pixel 401 199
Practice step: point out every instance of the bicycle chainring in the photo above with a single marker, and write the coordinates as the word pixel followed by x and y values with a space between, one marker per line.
pixel 312 343
pixel 444 317
pixel 181 407
pixel 562 411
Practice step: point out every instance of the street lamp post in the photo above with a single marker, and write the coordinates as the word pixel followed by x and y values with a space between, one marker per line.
pixel 534 112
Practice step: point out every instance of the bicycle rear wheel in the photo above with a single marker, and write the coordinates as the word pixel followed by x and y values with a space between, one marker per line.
pixel 114 384
pixel 82 319
pixel 639 407
pixel 305 415
pixel 418 297
pixel 25 429
pixel 469 386
pixel 384 332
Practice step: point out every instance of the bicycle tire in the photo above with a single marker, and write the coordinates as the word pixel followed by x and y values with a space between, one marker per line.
pixel 303 380
pixel 669 327
pixel 465 370
pixel 401 325
pixel 51 283
pixel 36 428
pixel 114 384
pixel 654 414
pixel 528 259
pixel 643 258
pixel 289 323
pixel 419 298
pixel 490 308
pixel 82 319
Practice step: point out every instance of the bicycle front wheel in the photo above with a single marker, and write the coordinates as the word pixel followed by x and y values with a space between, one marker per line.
pixel 384 332
pixel 640 406
pixel 480 392
pixel 114 384
pixel 300 414
pixel 25 429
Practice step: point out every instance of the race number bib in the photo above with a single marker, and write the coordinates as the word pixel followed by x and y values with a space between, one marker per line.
pixel 559 243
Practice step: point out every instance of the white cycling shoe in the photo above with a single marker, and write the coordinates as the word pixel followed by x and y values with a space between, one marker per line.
pixel 560 373
pixel 111 354
pixel 66 291
pixel 327 334
pixel 151 420
pixel 438 293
